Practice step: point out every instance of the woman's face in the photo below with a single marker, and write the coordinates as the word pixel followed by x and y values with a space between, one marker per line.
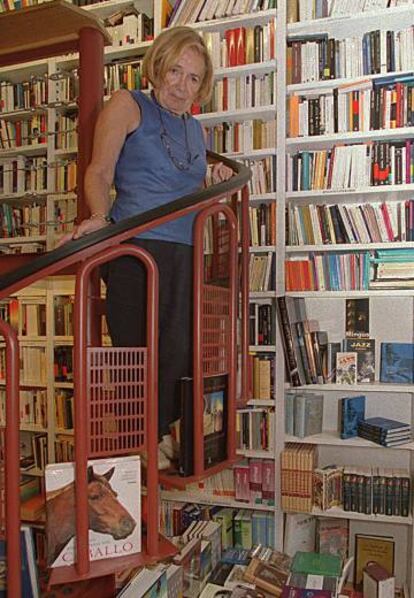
pixel 181 84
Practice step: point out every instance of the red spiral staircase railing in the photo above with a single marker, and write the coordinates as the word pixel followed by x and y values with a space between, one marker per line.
pixel 215 312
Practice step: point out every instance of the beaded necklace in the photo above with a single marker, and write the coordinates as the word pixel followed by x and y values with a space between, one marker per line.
pixel 166 138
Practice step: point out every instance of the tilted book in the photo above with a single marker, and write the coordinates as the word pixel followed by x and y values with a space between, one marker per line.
pixel 114 507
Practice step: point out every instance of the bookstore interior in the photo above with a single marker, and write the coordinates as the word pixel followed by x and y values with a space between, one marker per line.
pixel 289 472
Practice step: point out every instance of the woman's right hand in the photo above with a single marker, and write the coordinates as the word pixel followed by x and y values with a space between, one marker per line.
pixel 89 225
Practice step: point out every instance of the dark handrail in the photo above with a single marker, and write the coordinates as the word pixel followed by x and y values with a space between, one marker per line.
pixel 74 251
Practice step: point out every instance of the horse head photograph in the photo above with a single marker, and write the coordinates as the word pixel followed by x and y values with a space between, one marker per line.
pixel 106 514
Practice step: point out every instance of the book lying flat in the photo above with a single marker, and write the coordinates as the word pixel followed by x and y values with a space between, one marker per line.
pixel 316 564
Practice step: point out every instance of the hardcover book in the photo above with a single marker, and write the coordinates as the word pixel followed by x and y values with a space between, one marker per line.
pixel 372 548
pixel 29 572
pixel 351 412
pixel 114 490
pixel 147 583
pixel 346 366
pixel 377 581
pixel 397 363
pixel 332 537
pixel 314 563
pixel 214 422
pixel 365 350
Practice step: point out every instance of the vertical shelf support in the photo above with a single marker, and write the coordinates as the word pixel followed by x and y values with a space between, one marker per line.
pixel 12 461
pixel 91 89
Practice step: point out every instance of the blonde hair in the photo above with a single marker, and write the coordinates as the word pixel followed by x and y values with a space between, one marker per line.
pixel 165 52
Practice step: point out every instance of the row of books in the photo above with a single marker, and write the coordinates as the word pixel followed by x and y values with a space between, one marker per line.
pixel 262 375
pixel 332 224
pixel 33 407
pixel 308 10
pixel 29 131
pixel 363 106
pixel 22 175
pixel 255 429
pixel 263 179
pixel 129 26
pixel 64 412
pixel 238 528
pixel 251 480
pixel 66 131
pixel 34 452
pixel 66 86
pixel 350 167
pixel 25 221
pixel 320 57
pixel 261 324
pixel 262 272
pixel 63 306
pixel 32 365
pixel 64 212
pixel 32 317
pixel 24 95
pixel 205 10
pixel 368 490
pixel 63 364
pixel 229 137
pixel 242 45
pixel 329 272
pixel 262 224
pixel 394 268
pixel 241 93
pixel 297 463
pixel 303 414
pixel 123 75
pixel 65 175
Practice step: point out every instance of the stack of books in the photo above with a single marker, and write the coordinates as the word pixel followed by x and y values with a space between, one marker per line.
pixel 384 431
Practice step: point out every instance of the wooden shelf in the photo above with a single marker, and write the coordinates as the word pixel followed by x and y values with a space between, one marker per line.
pixel 25 36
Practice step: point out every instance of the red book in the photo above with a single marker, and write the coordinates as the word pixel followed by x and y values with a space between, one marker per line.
pixel 230 36
pixel 255 480
pixel 268 482
pixel 241 482
pixel 240 46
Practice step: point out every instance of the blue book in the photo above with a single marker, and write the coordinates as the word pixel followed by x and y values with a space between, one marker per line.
pixel 397 363
pixel 29 573
pixel 384 424
pixel 351 412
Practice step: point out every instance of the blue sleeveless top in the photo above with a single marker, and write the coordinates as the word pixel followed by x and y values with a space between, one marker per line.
pixel 145 174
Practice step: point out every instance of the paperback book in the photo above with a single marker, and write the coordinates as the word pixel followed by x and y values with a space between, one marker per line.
pixel 365 350
pixel 346 367
pixel 114 490
pixel 357 318
pixel 397 363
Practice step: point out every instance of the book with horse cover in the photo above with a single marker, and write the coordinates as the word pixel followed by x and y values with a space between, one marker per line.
pixel 114 504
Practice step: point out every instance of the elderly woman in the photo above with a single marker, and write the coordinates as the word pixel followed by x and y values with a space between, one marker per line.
pixel 154 151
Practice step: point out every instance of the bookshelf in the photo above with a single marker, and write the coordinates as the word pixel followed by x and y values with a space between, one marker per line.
pixel 333 102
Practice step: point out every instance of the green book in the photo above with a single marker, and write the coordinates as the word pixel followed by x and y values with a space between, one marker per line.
pixel 315 563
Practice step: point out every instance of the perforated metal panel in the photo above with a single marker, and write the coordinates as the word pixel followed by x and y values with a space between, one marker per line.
pixel 215 329
pixel 117 379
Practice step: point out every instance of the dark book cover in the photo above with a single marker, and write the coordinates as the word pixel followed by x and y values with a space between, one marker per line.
pixel 214 422
pixel 352 411
pixel 357 318
pixel 397 363
pixel 365 350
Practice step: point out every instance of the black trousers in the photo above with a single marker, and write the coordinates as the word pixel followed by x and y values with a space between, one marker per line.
pixel 126 315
